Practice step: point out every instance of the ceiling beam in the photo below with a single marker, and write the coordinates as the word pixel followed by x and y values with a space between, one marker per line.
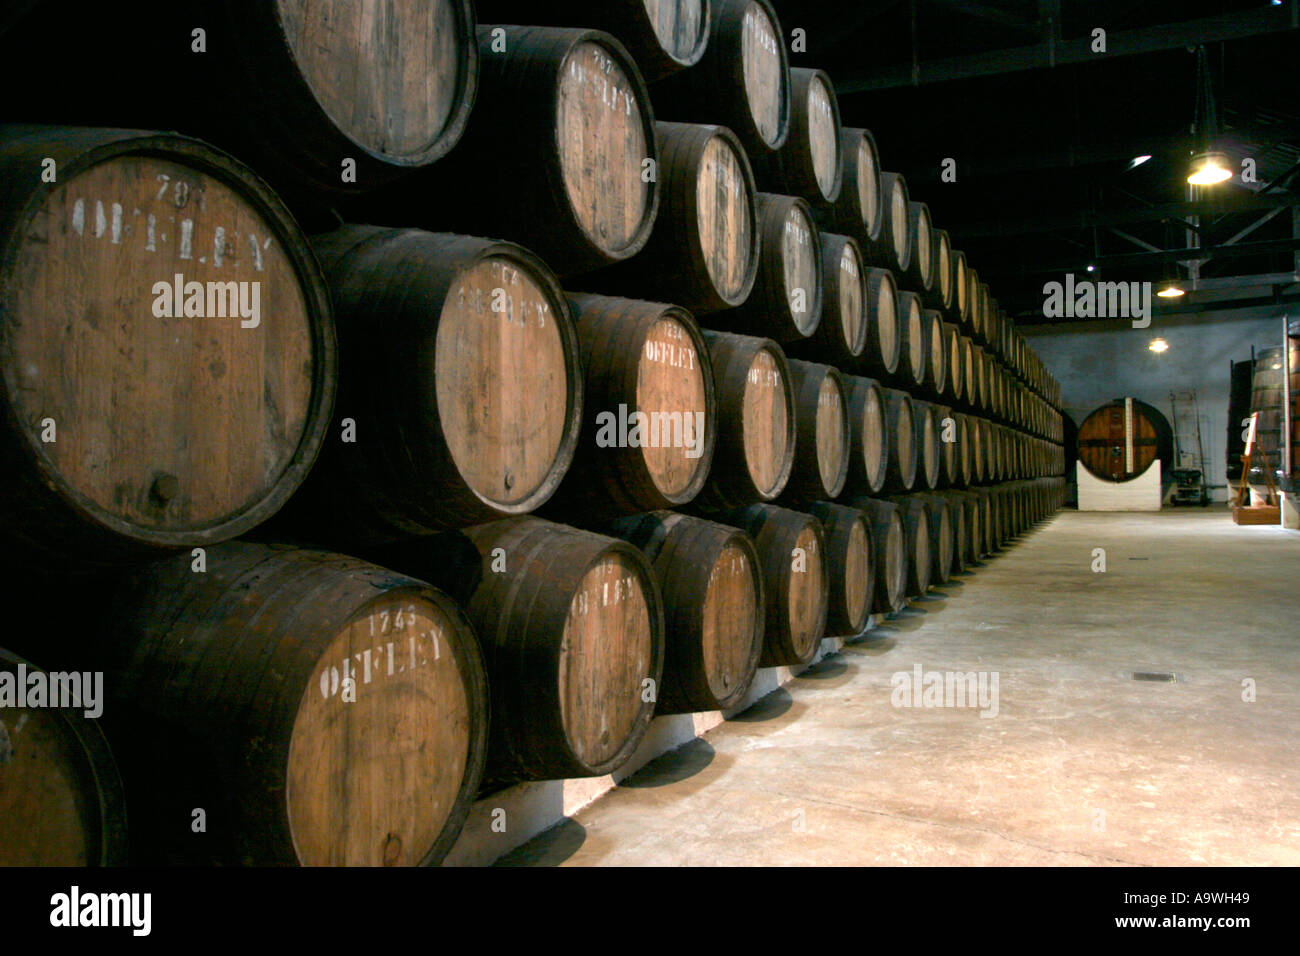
pixel 1084 219
pixel 1138 260
pixel 1237 25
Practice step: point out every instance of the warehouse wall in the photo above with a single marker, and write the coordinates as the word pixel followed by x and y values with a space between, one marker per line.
pixel 1099 361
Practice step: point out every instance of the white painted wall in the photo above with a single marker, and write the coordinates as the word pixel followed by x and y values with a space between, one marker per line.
pixel 1099 361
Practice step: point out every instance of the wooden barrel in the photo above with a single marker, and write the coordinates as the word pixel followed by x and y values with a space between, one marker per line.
pixel 936 344
pixel 167 356
pixel 869 442
pixel 960 533
pixel 914 347
pixel 916 530
pixel 963 455
pixel 742 81
pixel 920 267
pixel 663 36
pixel 554 156
pixel 884 346
pixel 900 429
pixel 786 302
pixel 969 373
pixel 572 629
pixel 1117 441
pixel 792 548
pixel 949 432
pixel 841 336
pixel 973 542
pixel 754 453
pixel 977 441
pixel 939 295
pixel 318 709
pixel 703 251
pixel 889 546
pixel 954 386
pixel 649 419
pixel 712 584
pixel 295 89
pixel 942 537
pixel 823 438
pixel 928 463
pixel 809 163
pixel 893 249
pixel 856 211
pixel 850 567
pixel 960 306
pixel 61 799
pixel 475 416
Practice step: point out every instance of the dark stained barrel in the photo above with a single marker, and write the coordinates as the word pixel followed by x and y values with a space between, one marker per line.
pixel 1118 441
pixel 294 88
pixel 663 36
pixel 939 295
pixel 742 81
pixel 809 164
pixel 881 356
pixel 61 799
pixel 977 443
pixel 980 396
pixel 960 533
pixel 555 153
pixel 948 429
pixel 320 710
pixel 972 544
pixel 792 548
pixel 893 248
pixel 928 462
pixel 572 629
pixel 714 610
pixel 849 565
pixel 841 336
pixel 920 267
pixel 889 541
pixel 856 211
pixel 914 347
pixel 936 347
pixel 754 453
pixel 137 419
pixel 823 438
pixel 703 252
pixel 869 442
pixel 916 528
pixel 900 430
pixel 461 374
pixel 649 410
pixel 786 302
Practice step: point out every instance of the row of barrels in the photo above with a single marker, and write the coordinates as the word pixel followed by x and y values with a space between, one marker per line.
pixel 295 706
pixel 501 392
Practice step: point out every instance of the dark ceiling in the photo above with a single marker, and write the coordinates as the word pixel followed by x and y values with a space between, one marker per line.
pixel 1042 130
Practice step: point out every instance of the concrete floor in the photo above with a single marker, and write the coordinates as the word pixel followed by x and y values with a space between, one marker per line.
pixel 1081 765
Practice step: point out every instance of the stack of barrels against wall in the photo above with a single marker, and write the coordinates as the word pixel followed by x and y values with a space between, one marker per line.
pixel 716 388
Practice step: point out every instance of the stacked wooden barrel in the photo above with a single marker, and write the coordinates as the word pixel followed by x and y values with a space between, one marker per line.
pixel 763 391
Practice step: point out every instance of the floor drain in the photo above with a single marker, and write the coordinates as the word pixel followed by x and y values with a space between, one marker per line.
pixel 1157 676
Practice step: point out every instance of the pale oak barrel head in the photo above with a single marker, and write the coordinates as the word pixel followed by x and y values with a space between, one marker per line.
pixel 901 433
pixel 810 163
pixel 190 418
pixel 61 798
pixel 841 336
pixel 823 436
pixel 920 231
pixel 322 710
pixel 396 78
pixel 890 553
pixel 911 323
pixel 939 294
pixel 869 446
pixel 937 350
pixel 916 528
pixel 883 351
pixel 711 580
pixel 792 548
pixel 927 444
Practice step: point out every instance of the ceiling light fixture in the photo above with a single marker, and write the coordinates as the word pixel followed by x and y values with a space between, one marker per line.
pixel 1158 345
pixel 1137 161
pixel 1092 268
pixel 1170 290
pixel 1209 169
